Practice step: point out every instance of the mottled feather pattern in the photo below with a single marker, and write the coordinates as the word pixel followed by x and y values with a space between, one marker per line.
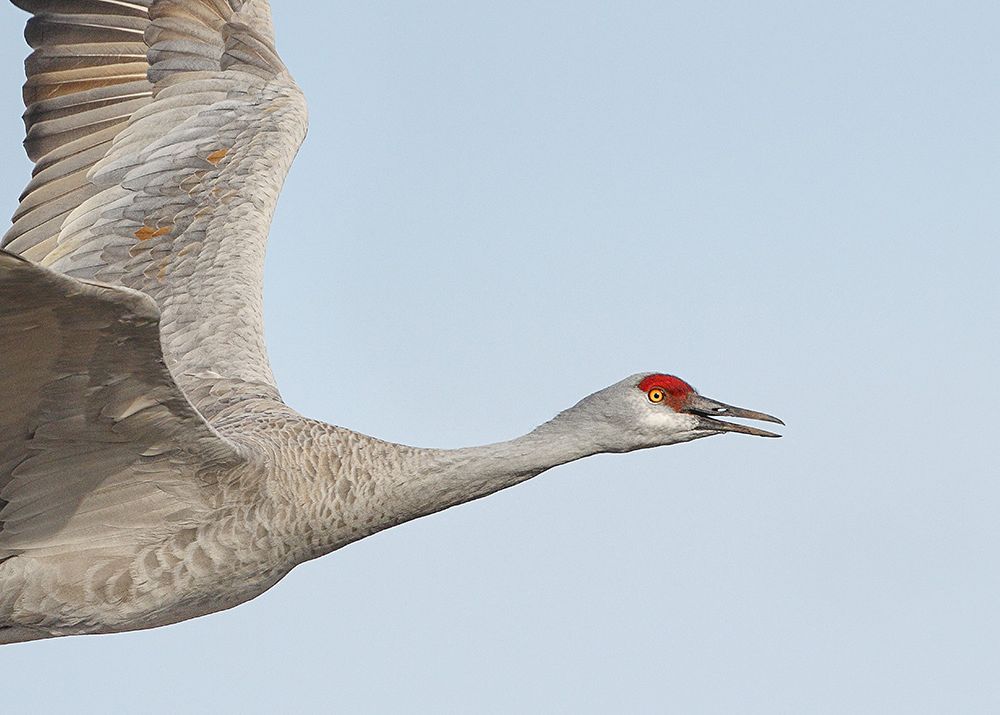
pixel 149 470
pixel 161 133
pixel 122 506
pixel 98 407
pixel 179 203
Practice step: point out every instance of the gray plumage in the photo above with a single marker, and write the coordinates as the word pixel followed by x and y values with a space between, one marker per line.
pixel 149 471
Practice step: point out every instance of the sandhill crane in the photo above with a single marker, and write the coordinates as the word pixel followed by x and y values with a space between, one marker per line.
pixel 149 471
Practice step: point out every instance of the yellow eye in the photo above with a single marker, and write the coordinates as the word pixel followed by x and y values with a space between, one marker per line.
pixel 655 395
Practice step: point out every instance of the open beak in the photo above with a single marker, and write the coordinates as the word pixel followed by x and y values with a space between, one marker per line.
pixel 707 410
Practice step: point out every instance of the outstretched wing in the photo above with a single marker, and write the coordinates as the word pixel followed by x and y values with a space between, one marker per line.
pixel 96 439
pixel 162 131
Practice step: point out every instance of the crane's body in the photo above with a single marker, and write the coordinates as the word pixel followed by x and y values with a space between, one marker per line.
pixel 305 489
pixel 149 470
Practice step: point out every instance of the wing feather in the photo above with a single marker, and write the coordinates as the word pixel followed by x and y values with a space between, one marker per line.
pixel 99 440
pixel 162 132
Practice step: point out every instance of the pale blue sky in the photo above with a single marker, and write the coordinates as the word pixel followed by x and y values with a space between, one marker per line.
pixel 502 207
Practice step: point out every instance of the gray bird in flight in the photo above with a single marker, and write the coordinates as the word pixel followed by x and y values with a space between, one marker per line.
pixel 149 470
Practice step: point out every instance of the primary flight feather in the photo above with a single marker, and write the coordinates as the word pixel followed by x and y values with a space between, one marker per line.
pixel 149 471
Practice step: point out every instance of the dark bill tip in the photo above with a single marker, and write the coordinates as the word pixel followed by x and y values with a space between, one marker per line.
pixel 719 426
pixel 708 410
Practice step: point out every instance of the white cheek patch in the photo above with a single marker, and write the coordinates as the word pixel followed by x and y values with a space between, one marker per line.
pixel 666 420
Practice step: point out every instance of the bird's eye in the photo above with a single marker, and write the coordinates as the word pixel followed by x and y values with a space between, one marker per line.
pixel 655 395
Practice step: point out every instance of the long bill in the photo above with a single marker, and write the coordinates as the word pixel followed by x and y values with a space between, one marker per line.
pixel 707 410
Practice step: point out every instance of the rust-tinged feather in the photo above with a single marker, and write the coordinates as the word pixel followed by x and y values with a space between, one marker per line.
pixel 216 156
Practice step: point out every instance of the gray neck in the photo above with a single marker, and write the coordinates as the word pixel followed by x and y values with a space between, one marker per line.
pixel 354 485
pixel 439 479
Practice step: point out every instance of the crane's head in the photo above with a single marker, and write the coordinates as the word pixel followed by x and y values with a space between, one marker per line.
pixel 652 409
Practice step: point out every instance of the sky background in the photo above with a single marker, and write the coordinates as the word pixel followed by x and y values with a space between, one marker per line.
pixel 502 207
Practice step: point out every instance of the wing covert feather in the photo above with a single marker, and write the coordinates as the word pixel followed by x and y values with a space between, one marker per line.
pixel 99 439
pixel 162 132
